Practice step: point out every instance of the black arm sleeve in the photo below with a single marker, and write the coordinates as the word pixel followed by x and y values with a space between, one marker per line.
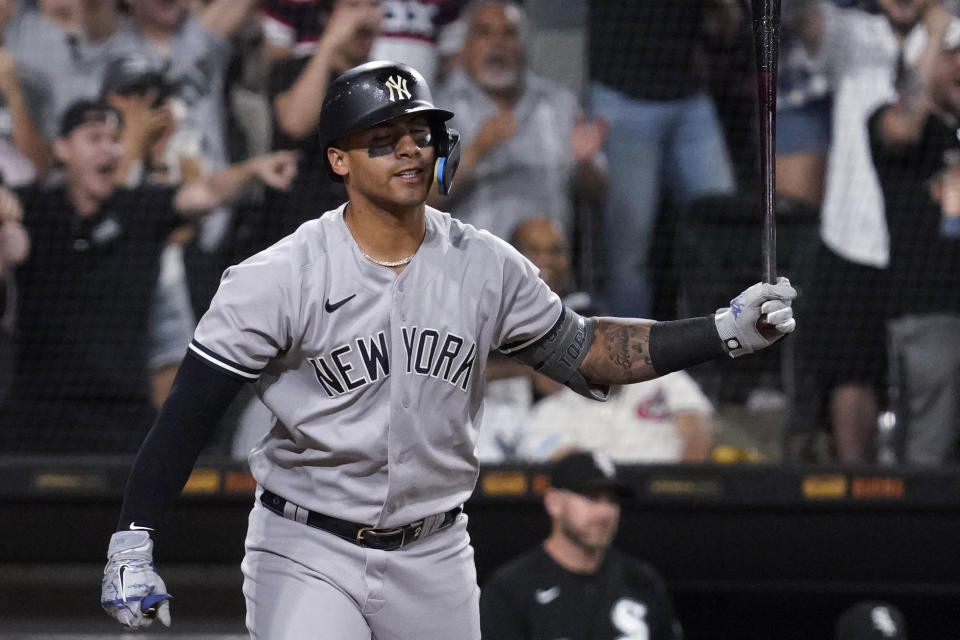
pixel 678 344
pixel 198 399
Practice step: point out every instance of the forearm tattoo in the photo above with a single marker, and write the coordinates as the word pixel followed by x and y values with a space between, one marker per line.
pixel 623 355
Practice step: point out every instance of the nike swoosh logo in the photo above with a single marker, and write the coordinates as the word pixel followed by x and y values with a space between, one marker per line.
pixel 546 596
pixel 135 527
pixel 123 589
pixel 336 305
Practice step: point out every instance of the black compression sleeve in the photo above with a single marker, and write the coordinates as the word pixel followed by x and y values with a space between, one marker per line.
pixel 678 344
pixel 198 399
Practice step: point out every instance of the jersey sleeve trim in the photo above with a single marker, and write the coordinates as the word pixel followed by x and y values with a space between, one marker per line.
pixel 518 346
pixel 227 366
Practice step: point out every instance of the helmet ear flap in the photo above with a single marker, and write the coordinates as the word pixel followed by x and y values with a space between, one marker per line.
pixel 448 158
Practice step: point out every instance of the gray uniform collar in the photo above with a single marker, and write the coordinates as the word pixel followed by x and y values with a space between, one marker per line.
pixel 425 263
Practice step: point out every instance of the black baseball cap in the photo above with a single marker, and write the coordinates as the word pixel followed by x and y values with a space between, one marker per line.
pixel 586 471
pixel 132 73
pixel 84 112
pixel 871 621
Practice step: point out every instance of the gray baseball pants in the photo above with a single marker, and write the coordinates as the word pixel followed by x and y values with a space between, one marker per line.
pixel 301 583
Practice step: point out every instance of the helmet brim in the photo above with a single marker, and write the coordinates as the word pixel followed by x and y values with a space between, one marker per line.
pixel 388 113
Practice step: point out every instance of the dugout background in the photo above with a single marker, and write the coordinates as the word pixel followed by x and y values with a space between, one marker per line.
pixel 755 551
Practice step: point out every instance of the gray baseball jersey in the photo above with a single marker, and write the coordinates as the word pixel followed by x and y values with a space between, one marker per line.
pixel 375 378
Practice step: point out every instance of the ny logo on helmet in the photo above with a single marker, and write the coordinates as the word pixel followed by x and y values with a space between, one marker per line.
pixel 398 88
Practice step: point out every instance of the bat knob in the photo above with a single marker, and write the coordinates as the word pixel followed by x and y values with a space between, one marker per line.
pixel 767 330
pixel 149 604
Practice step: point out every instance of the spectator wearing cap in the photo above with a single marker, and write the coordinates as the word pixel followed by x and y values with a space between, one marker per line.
pixel 871 621
pixel 138 89
pixel 84 291
pixel 576 585
pixel 193 51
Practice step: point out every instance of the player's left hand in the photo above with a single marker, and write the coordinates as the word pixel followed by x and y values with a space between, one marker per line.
pixel 132 591
pixel 757 318
pixel 277 169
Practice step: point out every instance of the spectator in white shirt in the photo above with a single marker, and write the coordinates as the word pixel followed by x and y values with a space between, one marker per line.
pixel 842 351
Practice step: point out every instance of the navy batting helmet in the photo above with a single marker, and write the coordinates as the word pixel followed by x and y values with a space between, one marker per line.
pixel 376 92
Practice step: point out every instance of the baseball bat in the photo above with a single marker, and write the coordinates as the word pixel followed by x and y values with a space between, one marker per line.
pixel 766 42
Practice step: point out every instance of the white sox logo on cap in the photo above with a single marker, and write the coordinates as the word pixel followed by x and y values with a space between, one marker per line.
pixel 604 463
pixel 398 88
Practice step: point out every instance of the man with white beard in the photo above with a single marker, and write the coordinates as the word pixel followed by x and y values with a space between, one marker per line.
pixel 525 141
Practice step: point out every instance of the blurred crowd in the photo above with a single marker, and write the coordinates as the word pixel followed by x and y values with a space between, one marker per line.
pixel 145 145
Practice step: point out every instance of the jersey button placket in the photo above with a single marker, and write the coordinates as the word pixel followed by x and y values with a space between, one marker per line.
pixel 398 428
pixel 398 302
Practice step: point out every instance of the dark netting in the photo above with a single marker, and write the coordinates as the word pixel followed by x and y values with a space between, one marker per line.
pixel 96 319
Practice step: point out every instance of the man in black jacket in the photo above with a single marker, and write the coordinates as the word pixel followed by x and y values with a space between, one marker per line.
pixel 575 585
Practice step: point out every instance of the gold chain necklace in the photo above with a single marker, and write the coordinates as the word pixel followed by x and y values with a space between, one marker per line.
pixel 389 263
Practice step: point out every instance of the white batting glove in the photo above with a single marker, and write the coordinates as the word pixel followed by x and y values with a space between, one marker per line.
pixel 132 592
pixel 757 318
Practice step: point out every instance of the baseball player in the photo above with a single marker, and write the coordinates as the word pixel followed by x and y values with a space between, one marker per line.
pixel 366 332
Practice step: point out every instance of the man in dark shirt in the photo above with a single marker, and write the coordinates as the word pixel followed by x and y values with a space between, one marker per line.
pixel 917 156
pixel 576 586
pixel 663 131
pixel 296 89
pixel 80 376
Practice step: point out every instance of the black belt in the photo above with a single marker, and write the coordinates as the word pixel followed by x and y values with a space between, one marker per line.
pixel 359 534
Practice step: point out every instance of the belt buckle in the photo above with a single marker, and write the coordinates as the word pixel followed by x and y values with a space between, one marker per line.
pixel 376 533
pixel 361 531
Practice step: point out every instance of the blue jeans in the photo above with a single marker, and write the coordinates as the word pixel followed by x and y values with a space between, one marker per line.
pixel 651 145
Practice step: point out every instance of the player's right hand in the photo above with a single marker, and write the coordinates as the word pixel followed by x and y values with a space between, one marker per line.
pixel 757 318
pixel 132 592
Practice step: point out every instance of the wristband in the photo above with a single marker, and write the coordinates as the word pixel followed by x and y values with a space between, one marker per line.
pixel 678 344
